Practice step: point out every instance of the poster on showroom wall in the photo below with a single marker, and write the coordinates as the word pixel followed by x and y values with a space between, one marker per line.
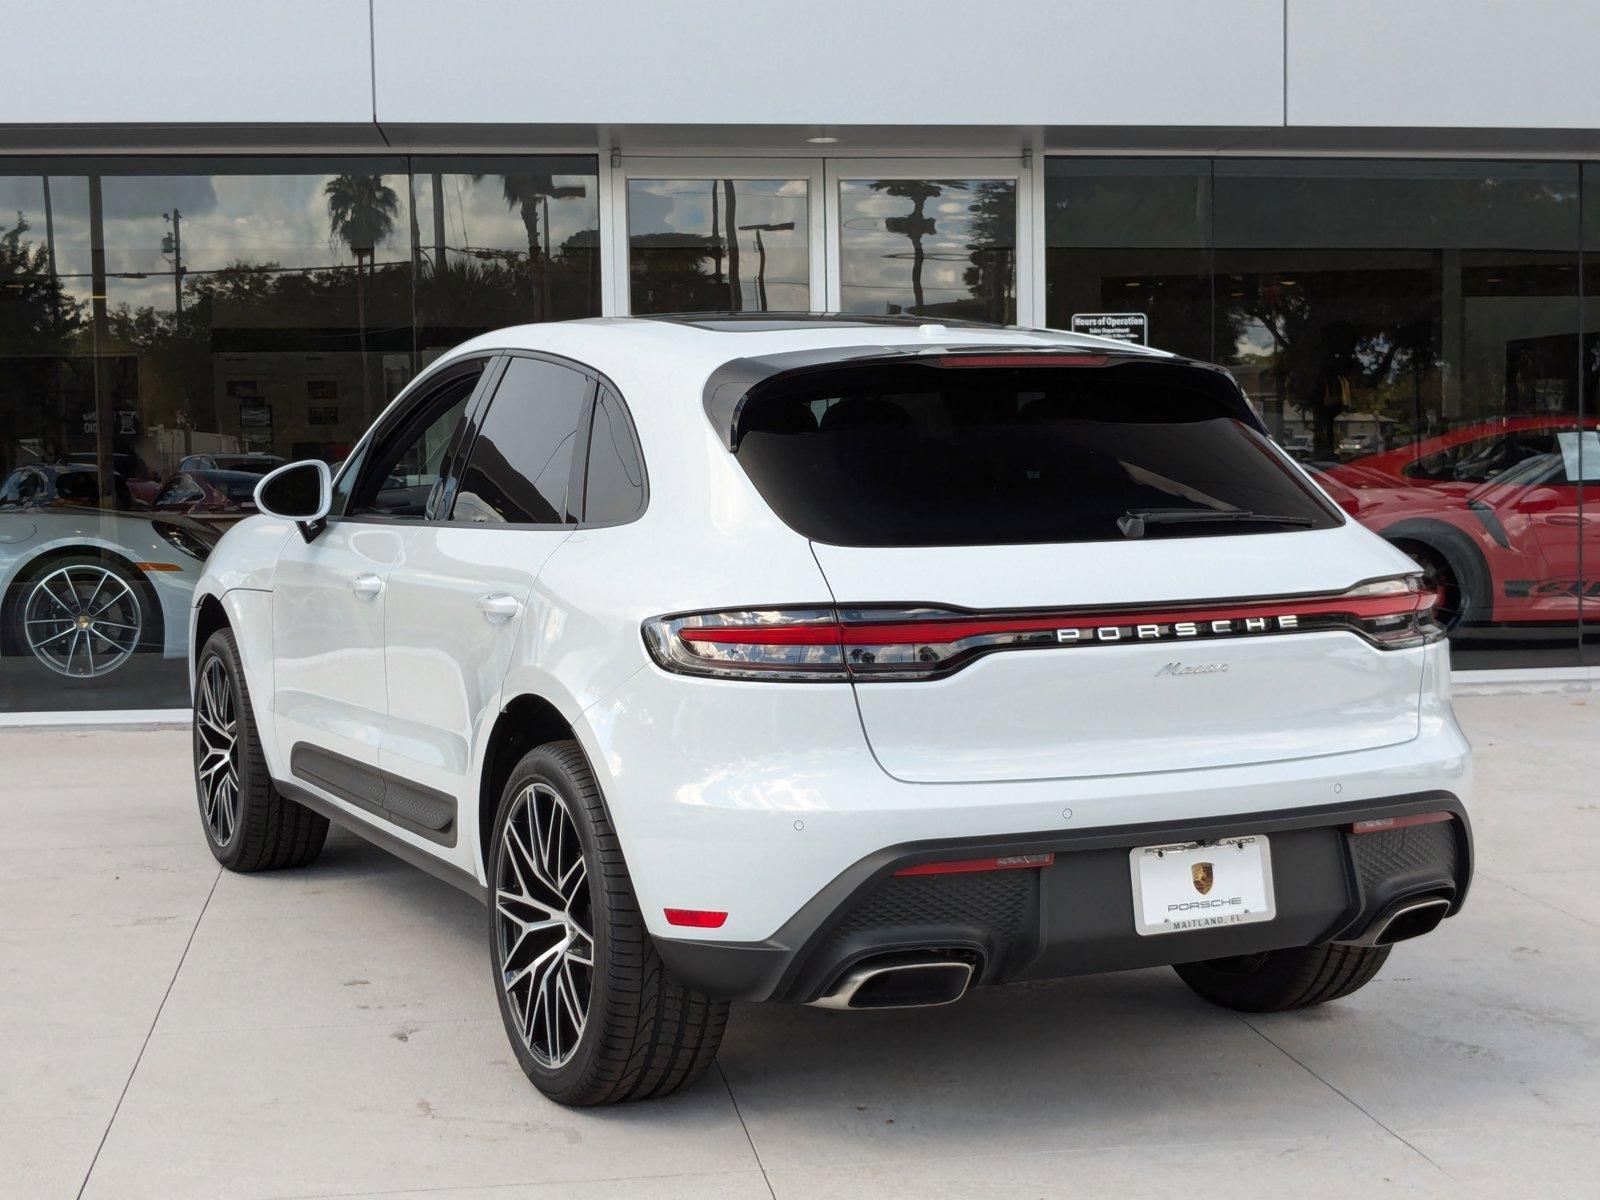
pixel 1131 327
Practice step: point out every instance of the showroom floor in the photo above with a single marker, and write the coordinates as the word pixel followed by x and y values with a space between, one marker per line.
pixel 167 1031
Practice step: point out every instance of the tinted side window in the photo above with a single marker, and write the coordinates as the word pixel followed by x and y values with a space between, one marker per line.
pixel 404 467
pixel 522 459
pixel 614 488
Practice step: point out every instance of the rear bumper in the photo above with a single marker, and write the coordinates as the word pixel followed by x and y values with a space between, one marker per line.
pixel 1076 916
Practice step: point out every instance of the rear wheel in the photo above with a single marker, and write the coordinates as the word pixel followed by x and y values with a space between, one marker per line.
pixel 248 825
pixel 1283 979
pixel 592 1014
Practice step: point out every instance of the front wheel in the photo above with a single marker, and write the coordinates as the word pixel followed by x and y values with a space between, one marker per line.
pixel 592 1014
pixel 248 825
pixel 1279 980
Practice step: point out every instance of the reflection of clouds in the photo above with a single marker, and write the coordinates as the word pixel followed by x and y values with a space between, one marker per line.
pixel 876 263
pixel 684 206
pixel 477 217
pixel 255 219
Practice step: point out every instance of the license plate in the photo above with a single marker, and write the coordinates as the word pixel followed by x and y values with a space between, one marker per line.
pixel 1191 886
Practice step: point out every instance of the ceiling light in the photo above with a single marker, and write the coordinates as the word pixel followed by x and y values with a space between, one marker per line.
pixel 823 140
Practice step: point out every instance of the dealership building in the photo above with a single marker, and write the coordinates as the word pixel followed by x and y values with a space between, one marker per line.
pixel 230 233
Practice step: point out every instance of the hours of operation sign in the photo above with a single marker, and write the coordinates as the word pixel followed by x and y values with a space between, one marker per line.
pixel 1124 327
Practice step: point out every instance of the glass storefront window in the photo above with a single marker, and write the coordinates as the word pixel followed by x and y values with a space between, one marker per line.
pixel 932 247
pixel 1409 330
pixel 502 241
pixel 1131 237
pixel 719 245
pixel 172 329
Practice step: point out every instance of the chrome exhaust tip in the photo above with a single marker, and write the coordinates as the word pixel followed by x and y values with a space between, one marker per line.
pixel 1406 920
pixel 915 983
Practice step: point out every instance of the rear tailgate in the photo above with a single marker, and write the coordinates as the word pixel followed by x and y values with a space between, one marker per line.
pixel 1148 699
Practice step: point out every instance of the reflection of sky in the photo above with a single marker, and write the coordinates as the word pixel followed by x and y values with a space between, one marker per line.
pixel 282 219
pixel 876 264
pixel 683 206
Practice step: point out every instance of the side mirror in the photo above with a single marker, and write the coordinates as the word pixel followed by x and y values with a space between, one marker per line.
pixel 301 492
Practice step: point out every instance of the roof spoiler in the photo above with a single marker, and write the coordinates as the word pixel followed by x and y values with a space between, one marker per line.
pixel 730 387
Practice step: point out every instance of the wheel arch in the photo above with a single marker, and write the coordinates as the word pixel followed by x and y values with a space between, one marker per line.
pixel 525 721
pixel 209 617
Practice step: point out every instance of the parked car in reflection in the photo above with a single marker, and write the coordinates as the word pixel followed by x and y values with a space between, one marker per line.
pixel 1492 511
pixel 216 496
pixel 253 464
pixel 84 587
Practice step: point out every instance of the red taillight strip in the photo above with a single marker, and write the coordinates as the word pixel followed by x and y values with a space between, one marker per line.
pixel 968 866
pixel 942 631
pixel 1384 824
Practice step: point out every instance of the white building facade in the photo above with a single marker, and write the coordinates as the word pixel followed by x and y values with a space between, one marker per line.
pixel 230 233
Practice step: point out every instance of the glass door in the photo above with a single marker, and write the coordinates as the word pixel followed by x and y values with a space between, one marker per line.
pixel 719 235
pixel 939 238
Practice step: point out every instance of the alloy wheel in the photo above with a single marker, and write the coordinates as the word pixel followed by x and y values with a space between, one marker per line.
pixel 543 925
pixel 82 620
pixel 216 721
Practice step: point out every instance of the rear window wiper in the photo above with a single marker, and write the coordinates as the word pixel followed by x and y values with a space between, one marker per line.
pixel 1133 522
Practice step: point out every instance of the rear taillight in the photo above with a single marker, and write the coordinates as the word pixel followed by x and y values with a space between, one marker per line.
pixel 1396 613
pixel 862 644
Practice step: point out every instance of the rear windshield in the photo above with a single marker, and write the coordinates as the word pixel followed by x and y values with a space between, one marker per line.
pixel 914 455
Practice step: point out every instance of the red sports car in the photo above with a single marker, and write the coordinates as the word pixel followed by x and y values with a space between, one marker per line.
pixel 1493 511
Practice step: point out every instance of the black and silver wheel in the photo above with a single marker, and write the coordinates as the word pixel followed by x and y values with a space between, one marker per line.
pixel 544 925
pixel 82 617
pixel 592 1014
pixel 247 824
pixel 1278 980
pixel 216 730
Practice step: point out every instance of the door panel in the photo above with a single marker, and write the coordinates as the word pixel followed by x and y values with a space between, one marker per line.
pixel 327 634
pixel 330 596
pixel 455 607
pixel 457 602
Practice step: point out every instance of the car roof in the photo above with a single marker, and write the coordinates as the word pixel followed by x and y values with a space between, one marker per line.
pixel 700 342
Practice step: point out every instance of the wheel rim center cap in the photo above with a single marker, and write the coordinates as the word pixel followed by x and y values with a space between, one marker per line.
pixel 83 621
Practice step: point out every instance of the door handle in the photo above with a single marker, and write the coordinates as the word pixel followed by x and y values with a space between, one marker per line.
pixel 366 585
pixel 499 607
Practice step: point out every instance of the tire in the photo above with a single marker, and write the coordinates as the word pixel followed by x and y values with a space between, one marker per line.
pixel 603 1021
pixel 1280 980
pixel 82 617
pixel 247 824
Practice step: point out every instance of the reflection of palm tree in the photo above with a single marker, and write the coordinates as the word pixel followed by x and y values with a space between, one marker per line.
pixel 915 226
pixel 761 256
pixel 361 213
pixel 528 195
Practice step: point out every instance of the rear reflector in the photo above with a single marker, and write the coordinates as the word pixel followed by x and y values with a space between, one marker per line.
pixel 695 918
pixel 966 866
pixel 1382 824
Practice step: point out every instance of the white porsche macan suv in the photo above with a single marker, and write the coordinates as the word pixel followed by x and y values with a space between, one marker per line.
pixel 852 662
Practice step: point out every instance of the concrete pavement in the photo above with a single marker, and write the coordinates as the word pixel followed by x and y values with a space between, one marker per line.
pixel 169 1030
